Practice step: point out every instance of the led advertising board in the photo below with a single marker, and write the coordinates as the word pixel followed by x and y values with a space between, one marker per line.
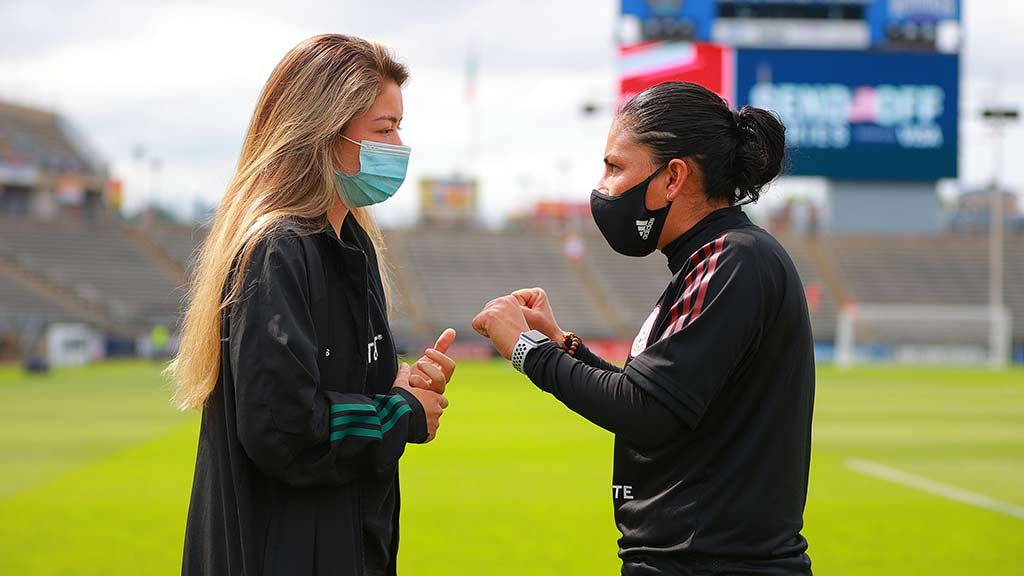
pixel 854 115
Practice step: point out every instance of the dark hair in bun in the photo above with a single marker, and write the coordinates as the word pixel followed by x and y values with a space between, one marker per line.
pixel 738 152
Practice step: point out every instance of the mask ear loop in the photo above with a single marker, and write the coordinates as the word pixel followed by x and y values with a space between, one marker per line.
pixel 354 142
pixel 647 181
pixel 655 175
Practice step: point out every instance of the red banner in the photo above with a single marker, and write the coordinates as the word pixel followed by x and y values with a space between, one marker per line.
pixel 648 63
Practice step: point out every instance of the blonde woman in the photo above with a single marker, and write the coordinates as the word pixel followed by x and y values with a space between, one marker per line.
pixel 286 346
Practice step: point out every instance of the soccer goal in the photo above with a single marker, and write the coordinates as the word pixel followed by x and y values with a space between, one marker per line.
pixel 923 334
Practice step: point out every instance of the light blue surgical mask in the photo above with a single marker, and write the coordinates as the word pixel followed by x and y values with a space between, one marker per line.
pixel 382 170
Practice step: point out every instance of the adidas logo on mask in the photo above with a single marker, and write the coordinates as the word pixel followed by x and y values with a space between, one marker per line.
pixel 644 227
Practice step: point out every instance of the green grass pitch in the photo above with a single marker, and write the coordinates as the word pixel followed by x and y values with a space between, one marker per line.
pixel 97 467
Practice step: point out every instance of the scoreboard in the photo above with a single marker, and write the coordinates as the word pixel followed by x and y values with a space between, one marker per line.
pixel 858 115
pixel 854 24
pixel 868 89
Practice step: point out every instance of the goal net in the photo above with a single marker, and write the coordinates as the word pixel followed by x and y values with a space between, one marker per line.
pixel 923 334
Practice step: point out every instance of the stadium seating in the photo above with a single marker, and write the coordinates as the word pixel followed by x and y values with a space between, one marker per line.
pixel 942 270
pixel 632 285
pixel 455 272
pixel 444 276
pixel 815 267
pixel 177 242
pixel 98 264
pixel 23 306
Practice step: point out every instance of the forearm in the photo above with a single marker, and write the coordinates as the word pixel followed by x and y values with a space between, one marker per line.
pixel 605 397
pixel 346 435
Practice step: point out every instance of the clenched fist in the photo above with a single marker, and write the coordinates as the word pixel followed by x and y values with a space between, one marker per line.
pixel 501 321
pixel 537 311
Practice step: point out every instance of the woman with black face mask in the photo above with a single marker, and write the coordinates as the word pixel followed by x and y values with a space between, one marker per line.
pixel 712 411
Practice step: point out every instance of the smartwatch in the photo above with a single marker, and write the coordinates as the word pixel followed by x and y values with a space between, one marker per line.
pixel 527 341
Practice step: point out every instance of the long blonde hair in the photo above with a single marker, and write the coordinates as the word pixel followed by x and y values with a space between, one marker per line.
pixel 285 171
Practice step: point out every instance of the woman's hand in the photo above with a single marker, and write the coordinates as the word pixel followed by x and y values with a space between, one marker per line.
pixel 432 402
pixel 502 321
pixel 537 311
pixel 433 371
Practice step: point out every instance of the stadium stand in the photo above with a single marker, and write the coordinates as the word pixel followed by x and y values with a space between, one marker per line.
pixel 24 304
pixel 67 256
pixel 632 285
pixel 53 156
pixel 455 272
pixel 823 286
pixel 111 274
pixel 98 264
pixel 178 242
pixel 946 269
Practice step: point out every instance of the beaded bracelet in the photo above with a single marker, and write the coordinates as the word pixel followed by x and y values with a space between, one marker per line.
pixel 571 343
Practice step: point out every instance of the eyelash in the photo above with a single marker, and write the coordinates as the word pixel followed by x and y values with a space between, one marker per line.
pixel 389 130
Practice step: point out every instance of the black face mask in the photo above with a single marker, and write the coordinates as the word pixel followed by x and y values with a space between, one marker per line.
pixel 624 220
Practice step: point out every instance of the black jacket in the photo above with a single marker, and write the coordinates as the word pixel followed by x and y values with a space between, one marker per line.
pixel 297 466
pixel 712 412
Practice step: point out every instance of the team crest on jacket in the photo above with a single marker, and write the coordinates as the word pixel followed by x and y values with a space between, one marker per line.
pixel 640 343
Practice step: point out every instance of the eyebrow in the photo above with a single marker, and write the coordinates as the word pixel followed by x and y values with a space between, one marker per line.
pixel 388 118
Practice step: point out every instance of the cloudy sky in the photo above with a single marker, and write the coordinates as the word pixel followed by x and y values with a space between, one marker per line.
pixel 180 80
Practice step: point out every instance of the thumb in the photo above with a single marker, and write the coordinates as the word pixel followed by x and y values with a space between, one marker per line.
pixel 445 341
pixel 526 296
pixel 479 324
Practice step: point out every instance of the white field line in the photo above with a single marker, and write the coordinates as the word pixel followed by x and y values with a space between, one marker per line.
pixel 938 488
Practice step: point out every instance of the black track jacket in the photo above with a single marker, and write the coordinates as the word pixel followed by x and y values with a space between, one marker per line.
pixel 297 467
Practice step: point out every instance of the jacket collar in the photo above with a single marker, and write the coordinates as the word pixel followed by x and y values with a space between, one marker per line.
pixel 679 250
pixel 351 231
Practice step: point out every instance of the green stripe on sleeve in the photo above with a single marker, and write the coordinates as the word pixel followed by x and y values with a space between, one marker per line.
pixel 369 419
pixel 386 415
pixel 394 418
pixel 364 432
pixel 335 408
pixel 382 400
pixel 392 401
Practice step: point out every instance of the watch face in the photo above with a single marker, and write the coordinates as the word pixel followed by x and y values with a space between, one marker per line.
pixel 535 336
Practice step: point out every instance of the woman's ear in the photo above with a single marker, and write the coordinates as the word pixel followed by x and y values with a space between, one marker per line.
pixel 678 172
